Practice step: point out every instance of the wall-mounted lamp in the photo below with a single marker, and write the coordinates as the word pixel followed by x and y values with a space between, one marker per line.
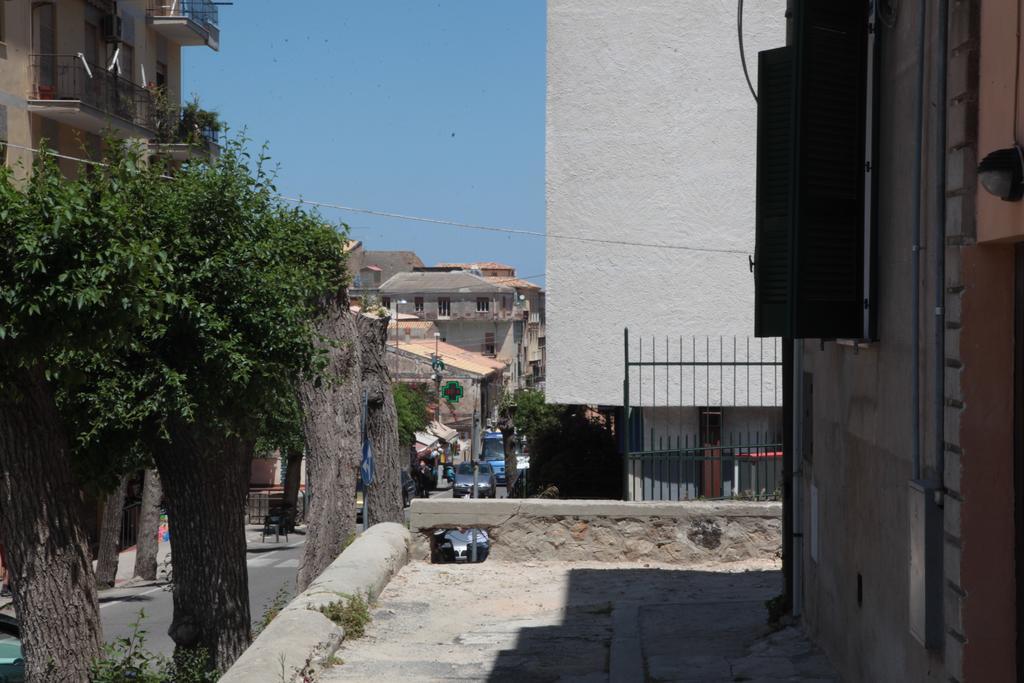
pixel 1002 173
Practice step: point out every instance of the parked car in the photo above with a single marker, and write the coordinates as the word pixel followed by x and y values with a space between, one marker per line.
pixel 455 545
pixel 12 663
pixel 486 484
pixel 409 490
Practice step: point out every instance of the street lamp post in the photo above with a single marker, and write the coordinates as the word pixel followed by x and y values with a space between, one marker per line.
pixel 437 380
pixel 398 331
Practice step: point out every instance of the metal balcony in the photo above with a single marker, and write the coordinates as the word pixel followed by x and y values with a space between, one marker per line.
pixel 186 22
pixel 67 89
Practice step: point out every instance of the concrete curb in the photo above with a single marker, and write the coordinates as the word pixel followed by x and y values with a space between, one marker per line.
pixel 300 635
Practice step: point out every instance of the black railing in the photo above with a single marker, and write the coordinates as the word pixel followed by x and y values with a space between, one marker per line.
pixel 69 77
pixel 745 467
pixel 202 11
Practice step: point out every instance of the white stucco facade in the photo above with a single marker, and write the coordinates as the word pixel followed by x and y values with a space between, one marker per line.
pixel 651 135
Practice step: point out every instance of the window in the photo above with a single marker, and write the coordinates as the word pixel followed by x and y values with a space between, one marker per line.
pixel 483 305
pixel 44 42
pixel 161 75
pixel 489 344
pixel 3 19
pixel 386 302
pixel 418 304
pixel 444 306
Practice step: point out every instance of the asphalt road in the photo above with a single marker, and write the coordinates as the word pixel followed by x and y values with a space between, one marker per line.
pixel 271 569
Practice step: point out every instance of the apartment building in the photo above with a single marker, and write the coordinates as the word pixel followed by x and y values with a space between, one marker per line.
pixel 530 298
pixel 74 71
pixel 469 311
pixel 369 269
pixel 650 216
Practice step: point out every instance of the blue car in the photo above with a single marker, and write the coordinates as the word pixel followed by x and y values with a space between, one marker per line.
pixel 494 454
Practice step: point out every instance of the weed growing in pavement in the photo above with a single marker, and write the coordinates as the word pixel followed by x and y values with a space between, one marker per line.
pixel 351 613
pixel 127 659
pixel 271 610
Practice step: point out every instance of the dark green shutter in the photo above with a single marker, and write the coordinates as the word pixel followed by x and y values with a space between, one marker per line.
pixel 810 181
pixel 774 220
pixel 831 42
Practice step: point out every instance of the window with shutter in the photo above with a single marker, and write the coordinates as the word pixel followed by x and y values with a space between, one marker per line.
pixel 811 174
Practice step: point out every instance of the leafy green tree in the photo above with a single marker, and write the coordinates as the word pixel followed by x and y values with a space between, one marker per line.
pixel 575 453
pixel 218 371
pixel 148 318
pixel 413 411
pixel 533 413
pixel 80 275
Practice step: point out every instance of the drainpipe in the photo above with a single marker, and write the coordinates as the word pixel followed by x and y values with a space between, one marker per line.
pixel 915 269
pixel 939 248
pixel 798 457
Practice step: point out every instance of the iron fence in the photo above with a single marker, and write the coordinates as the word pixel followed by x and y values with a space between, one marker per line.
pixel 746 466
pixel 70 77
pixel 703 418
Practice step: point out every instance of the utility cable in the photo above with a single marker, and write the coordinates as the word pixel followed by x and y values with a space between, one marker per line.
pixel 743 54
pixel 449 223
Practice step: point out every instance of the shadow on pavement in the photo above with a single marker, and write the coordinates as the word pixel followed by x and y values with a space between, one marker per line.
pixel 655 624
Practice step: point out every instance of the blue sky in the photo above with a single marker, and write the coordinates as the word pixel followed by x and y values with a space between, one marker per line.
pixel 425 108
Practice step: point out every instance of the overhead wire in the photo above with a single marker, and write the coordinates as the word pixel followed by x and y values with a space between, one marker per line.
pixel 445 222
pixel 743 54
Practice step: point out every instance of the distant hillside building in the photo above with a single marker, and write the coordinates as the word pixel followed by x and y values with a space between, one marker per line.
pixel 370 269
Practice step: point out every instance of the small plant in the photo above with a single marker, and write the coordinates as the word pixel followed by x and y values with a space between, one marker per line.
pixel 127 659
pixel 271 610
pixel 351 613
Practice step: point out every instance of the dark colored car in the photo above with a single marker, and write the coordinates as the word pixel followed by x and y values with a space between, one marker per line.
pixel 486 486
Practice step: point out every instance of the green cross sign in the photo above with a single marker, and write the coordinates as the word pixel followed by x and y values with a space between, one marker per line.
pixel 452 391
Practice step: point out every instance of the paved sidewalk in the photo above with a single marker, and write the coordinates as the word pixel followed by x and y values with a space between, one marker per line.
pixel 581 622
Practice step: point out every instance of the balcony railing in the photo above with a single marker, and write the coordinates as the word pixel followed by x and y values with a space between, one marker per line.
pixel 70 78
pixel 201 11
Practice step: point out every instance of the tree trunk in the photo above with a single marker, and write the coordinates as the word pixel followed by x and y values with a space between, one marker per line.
pixel 385 493
pixel 110 536
pixel 332 409
pixel 52 579
pixel 511 462
pixel 206 476
pixel 292 479
pixel 149 528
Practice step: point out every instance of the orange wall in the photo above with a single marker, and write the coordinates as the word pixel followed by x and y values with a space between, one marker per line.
pixel 998 220
pixel 986 437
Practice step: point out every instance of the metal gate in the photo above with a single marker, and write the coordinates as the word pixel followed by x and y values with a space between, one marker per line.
pixel 703 418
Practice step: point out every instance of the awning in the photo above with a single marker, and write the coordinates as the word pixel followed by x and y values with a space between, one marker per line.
pixel 426 440
pixel 443 432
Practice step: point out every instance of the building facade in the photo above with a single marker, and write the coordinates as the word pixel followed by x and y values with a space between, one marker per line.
pixel 470 383
pixel 74 71
pixel 469 311
pixel 369 269
pixel 650 214
pixel 908 409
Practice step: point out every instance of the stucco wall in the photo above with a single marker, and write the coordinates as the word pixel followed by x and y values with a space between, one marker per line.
pixel 650 138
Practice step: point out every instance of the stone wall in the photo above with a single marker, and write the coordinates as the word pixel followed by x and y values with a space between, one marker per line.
pixel 690 532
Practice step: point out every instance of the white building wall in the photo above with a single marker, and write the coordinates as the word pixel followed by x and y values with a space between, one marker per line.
pixel 651 135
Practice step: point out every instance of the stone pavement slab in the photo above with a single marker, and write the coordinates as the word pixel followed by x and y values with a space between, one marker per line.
pixel 579 622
